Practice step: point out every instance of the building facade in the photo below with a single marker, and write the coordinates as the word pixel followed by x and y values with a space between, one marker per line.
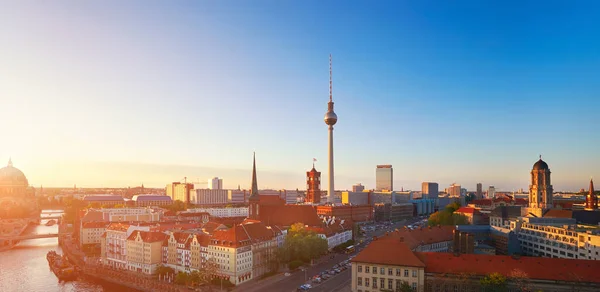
pixel 429 190
pixel 215 183
pixel 384 178
pixel 144 251
pixel 313 186
pixel 223 212
pixel 180 191
pixel 358 188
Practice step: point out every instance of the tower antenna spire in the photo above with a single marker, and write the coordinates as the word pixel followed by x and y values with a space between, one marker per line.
pixel 330 81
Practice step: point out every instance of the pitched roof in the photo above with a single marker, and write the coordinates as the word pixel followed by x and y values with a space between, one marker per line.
pixel 587 217
pixel 521 201
pixel 287 215
pixel 506 212
pixel 148 236
pixel 270 200
pixel 484 202
pixel 92 215
pixel 396 253
pixel 151 198
pixel 210 226
pixel 423 236
pixel 467 210
pixel 118 227
pixel 536 268
pixel 556 213
pixel 242 234
pixel 95 224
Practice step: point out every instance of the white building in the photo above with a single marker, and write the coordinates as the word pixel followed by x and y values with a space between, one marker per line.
pixel 114 244
pixel 291 196
pixel 223 212
pixel 215 183
pixel 209 197
pixel 491 192
pixel 236 196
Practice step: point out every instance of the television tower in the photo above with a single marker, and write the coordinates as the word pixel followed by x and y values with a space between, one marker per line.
pixel 330 120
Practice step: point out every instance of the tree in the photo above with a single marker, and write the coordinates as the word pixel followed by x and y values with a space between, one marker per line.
pixel 453 207
pixel 521 280
pixel 404 287
pixel 469 198
pixel 302 244
pixel 494 282
pixel 94 205
pixel 178 205
pixel 182 278
pixel 163 270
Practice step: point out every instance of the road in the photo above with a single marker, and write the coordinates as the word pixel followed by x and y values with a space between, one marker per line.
pixel 337 283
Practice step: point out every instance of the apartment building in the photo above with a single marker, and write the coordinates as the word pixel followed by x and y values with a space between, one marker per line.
pixel 144 251
pixel 209 197
pixel 222 212
pixel 142 214
pixel 104 200
pixel 334 231
pixel 243 252
pixel 90 234
pixel 114 244
pixel 151 200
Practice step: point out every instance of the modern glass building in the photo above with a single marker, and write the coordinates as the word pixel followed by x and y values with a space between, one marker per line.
pixel 384 178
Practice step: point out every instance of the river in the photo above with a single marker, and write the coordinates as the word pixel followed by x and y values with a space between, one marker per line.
pixel 25 268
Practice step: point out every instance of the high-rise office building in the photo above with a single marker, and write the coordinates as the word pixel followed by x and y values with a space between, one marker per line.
pixel 479 191
pixel 429 190
pixel 384 178
pixel 215 183
pixel 491 192
pixel 358 188
pixel 454 190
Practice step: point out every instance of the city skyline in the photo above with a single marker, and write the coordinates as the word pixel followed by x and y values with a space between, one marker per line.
pixel 104 98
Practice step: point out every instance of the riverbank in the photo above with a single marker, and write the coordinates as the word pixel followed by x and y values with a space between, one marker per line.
pixel 91 269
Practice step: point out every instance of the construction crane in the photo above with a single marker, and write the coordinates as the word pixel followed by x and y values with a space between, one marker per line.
pixel 198 182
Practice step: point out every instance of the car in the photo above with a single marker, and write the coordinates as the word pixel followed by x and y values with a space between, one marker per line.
pixel 287 274
pixel 303 288
pixel 332 272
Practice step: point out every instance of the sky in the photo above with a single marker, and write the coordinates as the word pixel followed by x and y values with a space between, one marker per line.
pixel 123 93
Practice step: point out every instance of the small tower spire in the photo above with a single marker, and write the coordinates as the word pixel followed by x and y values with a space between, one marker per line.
pixel 254 190
pixel 10 162
pixel 540 156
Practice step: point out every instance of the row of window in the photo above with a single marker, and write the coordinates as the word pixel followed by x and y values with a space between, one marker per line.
pixel 390 271
pixel 381 282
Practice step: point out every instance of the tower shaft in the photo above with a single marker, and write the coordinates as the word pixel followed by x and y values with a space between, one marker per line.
pixel 330 182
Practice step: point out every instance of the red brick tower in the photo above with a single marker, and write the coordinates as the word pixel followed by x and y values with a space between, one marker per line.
pixel 591 202
pixel 313 185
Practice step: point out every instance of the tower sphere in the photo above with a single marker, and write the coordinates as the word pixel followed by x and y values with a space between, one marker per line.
pixel 330 118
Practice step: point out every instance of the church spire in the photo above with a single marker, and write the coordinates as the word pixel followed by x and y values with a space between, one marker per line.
pixel 10 162
pixel 254 190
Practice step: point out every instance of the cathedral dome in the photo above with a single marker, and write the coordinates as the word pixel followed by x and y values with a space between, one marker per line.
pixel 12 176
pixel 540 165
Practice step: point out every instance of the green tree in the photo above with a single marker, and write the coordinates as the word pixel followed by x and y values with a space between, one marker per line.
pixel 178 205
pixel 163 270
pixel 302 244
pixel 453 207
pixel 182 278
pixel 494 282
pixel 404 287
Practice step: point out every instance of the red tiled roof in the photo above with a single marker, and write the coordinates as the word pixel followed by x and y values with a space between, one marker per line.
pixel 118 227
pixel 417 237
pixel 95 224
pixel 388 251
pixel 555 213
pixel 467 210
pixel 270 200
pixel 287 215
pixel 210 226
pixel 502 199
pixel 242 234
pixel 484 202
pixel 151 236
pixel 521 201
pixel 536 268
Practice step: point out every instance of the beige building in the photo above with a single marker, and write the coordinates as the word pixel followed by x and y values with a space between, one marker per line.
pixel 114 244
pixel 373 270
pixel 209 197
pixel 144 251
pixel 243 252
pixel 90 234
pixel 180 191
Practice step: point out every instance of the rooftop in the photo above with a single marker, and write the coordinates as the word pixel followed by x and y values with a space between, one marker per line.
pixel 537 268
pixel 396 253
pixel 103 198
pixel 467 210
pixel 151 198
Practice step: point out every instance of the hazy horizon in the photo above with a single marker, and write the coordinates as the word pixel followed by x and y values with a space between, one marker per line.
pixel 120 93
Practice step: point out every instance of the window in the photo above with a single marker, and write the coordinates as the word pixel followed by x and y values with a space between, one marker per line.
pixel 382 282
pixel 374 282
pixel 414 272
pixel 398 272
pixel 367 269
pixel 414 286
pixel 374 270
pixel 398 284
pixel 359 283
pixel 405 273
pixel 390 272
pixel 390 284
pixel 359 268
pixel 382 271
pixel 367 282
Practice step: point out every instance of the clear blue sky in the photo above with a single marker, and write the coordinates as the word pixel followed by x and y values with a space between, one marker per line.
pixel 118 93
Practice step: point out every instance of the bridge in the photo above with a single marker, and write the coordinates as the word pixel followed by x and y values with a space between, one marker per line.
pixel 32 236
